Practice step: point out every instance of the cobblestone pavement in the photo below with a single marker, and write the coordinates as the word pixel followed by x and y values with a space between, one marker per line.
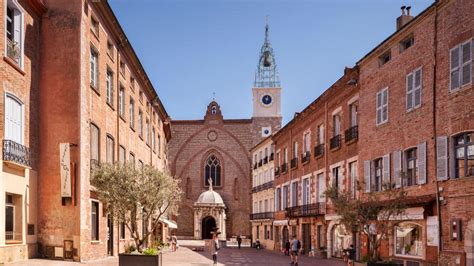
pixel 185 256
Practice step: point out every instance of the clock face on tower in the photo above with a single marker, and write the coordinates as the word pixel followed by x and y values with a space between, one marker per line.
pixel 267 99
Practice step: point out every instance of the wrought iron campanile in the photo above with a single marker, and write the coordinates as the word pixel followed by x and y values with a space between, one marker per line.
pixel 267 73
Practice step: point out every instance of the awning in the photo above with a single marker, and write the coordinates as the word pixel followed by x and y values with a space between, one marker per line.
pixel 171 224
pixel 280 222
pixel 403 232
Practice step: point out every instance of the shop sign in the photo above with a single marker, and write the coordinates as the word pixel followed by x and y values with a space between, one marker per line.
pixel 65 169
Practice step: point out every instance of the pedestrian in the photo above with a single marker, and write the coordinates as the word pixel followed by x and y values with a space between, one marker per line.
pixel 287 248
pixel 239 240
pixel 351 255
pixel 174 242
pixel 214 247
pixel 295 248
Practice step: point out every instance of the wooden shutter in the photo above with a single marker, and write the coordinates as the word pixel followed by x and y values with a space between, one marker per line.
pixel 417 87
pixel 454 68
pixel 13 120
pixel 466 63
pixel 386 170
pixel 410 91
pixel 442 158
pixel 421 159
pixel 367 171
pixel 321 188
pixel 397 167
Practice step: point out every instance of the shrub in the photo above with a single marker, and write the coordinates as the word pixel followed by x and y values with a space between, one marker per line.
pixel 150 251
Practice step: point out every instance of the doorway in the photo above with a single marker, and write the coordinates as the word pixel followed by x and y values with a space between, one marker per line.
pixel 306 238
pixel 285 237
pixel 208 226
pixel 340 241
pixel 110 236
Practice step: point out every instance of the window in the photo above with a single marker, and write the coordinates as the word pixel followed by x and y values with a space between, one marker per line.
pixel 13 119
pixel 284 197
pixel 109 86
pixel 94 65
pixel 295 149
pixel 461 65
pixel 411 168
pixel 385 58
pixel 337 180
pixel 95 143
pixel 414 85
pixel 307 142
pixel 278 199
pixel 353 114
pixel 95 26
pixel 110 149
pixel 122 102
pixel 464 155
pixel 147 131
pixel 159 145
pixel 140 123
pixel 122 68
pixel 14 32
pixel 294 194
pixel 213 110
pixel 353 178
pixel 258 231
pixel 13 219
pixel 212 170
pixel 306 192
pixel 153 141
pixel 140 96
pixel 408 240
pixel 407 43
pixel 285 155
pixel 131 158
pixel 378 174
pixel 336 120
pixel 122 154
pixel 132 113
pixel 110 50
pixel 321 134
pixel 140 164
pixel 95 221
pixel 382 106
pixel 132 83
pixel 321 188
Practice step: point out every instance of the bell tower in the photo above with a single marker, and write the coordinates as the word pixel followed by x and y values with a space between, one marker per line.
pixel 267 91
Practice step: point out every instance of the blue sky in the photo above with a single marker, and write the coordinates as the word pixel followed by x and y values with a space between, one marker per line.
pixel 192 48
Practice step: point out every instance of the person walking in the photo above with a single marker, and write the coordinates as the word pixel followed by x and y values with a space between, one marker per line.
pixel 239 240
pixel 174 242
pixel 287 248
pixel 295 248
pixel 214 247
pixel 351 255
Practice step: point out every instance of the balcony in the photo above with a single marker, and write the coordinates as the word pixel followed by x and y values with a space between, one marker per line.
pixel 265 160
pixel 272 157
pixel 263 186
pixel 16 153
pixel 335 142
pixel 13 237
pixel 284 168
pixel 261 215
pixel 294 162
pixel 319 150
pixel 313 209
pixel 277 171
pixel 255 165
pixel 351 134
pixel 305 157
pixel 260 163
pixel 13 51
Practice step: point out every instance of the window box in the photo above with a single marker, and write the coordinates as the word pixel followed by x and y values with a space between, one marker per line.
pixel 319 150
pixel 335 142
pixel 351 134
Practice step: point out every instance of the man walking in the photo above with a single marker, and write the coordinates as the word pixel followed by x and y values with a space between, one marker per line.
pixel 295 248
pixel 351 255
pixel 239 240
pixel 214 247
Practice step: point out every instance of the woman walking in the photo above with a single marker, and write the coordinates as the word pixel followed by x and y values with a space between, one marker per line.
pixel 214 247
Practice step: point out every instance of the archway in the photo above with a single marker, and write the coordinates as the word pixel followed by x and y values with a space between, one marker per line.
pixel 208 226
pixel 340 240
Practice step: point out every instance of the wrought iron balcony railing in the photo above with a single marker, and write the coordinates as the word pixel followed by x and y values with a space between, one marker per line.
pixel 11 236
pixel 352 134
pixel 272 156
pixel 294 162
pixel 263 186
pixel 255 165
pixel 312 209
pixel 319 150
pixel 305 157
pixel 265 160
pixel 335 142
pixel 277 171
pixel 13 50
pixel 15 152
pixel 260 163
pixel 261 215
pixel 284 168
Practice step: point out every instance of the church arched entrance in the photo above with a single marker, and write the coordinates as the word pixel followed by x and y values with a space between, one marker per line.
pixel 208 226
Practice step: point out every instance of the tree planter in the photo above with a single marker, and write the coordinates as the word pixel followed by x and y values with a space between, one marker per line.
pixel 142 260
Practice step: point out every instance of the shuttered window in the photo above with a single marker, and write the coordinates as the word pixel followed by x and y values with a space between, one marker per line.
pixel 414 89
pixel 397 168
pixel 94 68
pixel 132 112
pixel 321 134
pixel 307 142
pixel 95 221
pixel 378 174
pixel 122 102
pixel 13 119
pixel 131 158
pixel 336 125
pixel 109 86
pixel 14 32
pixel 411 171
pixel 110 149
pixel 442 158
pixel 464 155
pixel 461 65
pixel 382 106
pixel 95 144
pixel 353 178
pixel 122 154
pixel 321 188
pixel 367 176
pixel 421 155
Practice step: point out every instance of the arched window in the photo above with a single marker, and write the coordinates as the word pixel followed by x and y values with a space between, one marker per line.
pixel 212 170
pixel 213 110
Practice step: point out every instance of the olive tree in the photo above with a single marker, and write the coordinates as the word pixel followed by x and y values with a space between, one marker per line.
pixel 133 195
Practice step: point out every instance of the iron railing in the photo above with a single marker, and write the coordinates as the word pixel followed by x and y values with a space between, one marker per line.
pixel 260 163
pixel 15 152
pixel 352 134
pixel 305 157
pixel 261 215
pixel 263 186
pixel 265 160
pixel 284 168
pixel 13 50
pixel 294 162
pixel 319 150
pixel 255 166
pixel 335 142
pixel 11 236
pixel 312 209
pixel 272 156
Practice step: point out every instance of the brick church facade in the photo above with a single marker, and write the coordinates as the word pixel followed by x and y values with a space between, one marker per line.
pixel 219 149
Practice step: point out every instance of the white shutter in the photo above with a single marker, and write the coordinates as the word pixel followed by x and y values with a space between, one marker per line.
pixel 13 120
pixel 421 159
pixel 397 165
pixel 442 158
pixel 410 91
pixel 367 171
pixel 386 170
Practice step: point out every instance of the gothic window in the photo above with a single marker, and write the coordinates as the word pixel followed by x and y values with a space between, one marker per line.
pixel 212 170
pixel 213 110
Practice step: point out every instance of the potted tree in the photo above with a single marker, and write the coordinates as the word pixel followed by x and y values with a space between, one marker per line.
pixel 137 196
pixel 370 215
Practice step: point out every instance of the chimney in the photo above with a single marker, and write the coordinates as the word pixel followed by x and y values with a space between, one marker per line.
pixel 404 18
